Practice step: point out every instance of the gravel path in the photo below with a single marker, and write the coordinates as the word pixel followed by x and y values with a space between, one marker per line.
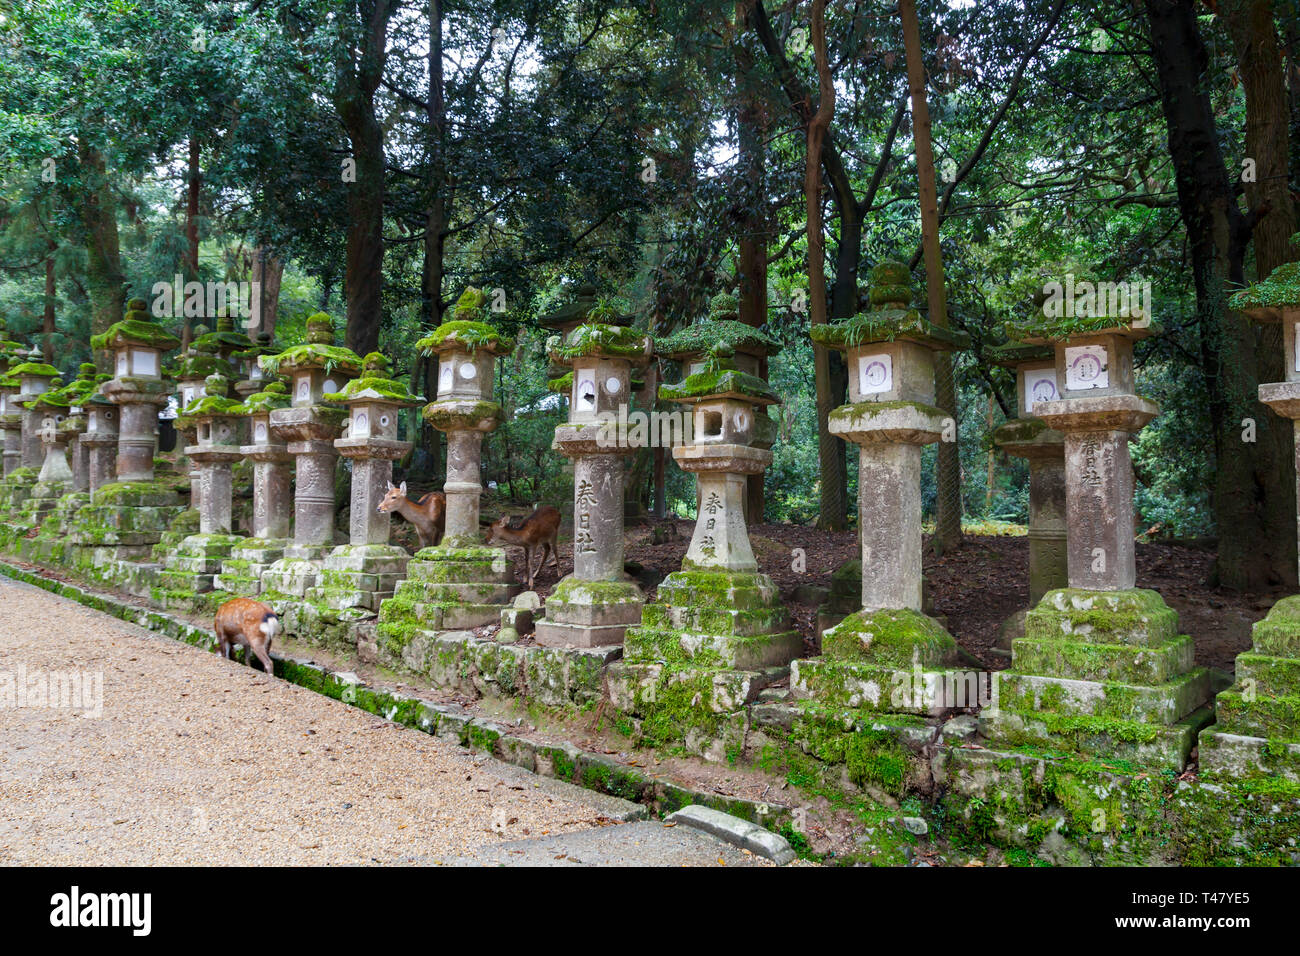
pixel 196 760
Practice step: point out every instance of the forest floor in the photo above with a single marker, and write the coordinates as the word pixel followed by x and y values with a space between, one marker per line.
pixel 976 587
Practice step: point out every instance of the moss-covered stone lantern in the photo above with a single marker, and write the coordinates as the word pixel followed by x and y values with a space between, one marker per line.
pixel 366 570
pixel 1028 436
pixel 78 393
pixel 1256 733
pixel 690 344
pixel 137 345
pixel 718 622
pixel 891 414
pixel 55 477
pixel 253 376
pixel 191 373
pixel 309 427
pixel 596 603
pixel 461 582
pixel 251 557
pixel 1074 683
pixel 35 377
pixel 220 427
pixel 100 441
pixel 227 345
pixel 11 418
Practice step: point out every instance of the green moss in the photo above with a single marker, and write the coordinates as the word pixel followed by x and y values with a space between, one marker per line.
pixel 593 340
pixel 313 355
pixel 136 329
pixel 1019 430
pixel 34 368
pixel 374 387
pixel 469 334
pixel 885 326
pixel 699 337
pixel 846 414
pixel 892 638
pixel 721 382
pixel 455 414
pixel 1280 288
pixel 563 384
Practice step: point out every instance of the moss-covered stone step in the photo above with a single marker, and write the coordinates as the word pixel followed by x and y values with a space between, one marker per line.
pixel 1164 747
pixel 643 690
pixel 716 619
pixel 653 644
pixel 718 589
pixel 136 494
pixel 1268 675
pixel 1233 756
pixel 1159 704
pixel 890 638
pixel 1278 634
pixel 477 592
pixel 291 576
pixel 1253 714
pixel 496 568
pixel 879 688
pixel 1138 616
pixel 1122 663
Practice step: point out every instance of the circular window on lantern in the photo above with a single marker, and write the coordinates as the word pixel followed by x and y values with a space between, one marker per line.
pixel 383 421
pixel 108 416
pixel 330 386
pixel 224 431
pixel 613 385
pixel 468 370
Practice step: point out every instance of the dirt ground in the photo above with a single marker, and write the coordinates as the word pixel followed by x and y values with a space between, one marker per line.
pixel 975 587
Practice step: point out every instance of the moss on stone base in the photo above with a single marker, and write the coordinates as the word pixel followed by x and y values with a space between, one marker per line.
pixel 892 638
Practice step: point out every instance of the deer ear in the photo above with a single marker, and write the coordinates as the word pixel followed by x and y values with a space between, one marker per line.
pixel 392 487
pixel 402 489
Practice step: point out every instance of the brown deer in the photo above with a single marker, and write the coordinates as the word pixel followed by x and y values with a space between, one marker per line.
pixel 429 514
pixel 539 529
pixel 250 624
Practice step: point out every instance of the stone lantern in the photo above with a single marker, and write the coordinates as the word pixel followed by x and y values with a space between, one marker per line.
pixel 55 476
pixel 137 344
pixel 191 374
pixel 366 570
pixel 1074 683
pixel 718 615
pixel 596 604
pixel 78 393
pixel 35 377
pixel 891 414
pixel 1257 723
pixel 219 424
pixel 11 419
pixel 309 427
pixel 1027 436
pixel 461 582
pixel 690 344
pixel 100 441
pixel 254 377
pixel 242 572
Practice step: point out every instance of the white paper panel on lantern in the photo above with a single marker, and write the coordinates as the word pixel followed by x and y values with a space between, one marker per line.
pixel 304 387
pixel 1040 386
pixel 361 425
pixel 144 361
pixel 260 432
pixel 445 374
pixel 123 364
pixel 875 373
pixel 1085 367
pixel 584 390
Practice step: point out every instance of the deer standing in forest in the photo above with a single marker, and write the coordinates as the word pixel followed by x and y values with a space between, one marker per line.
pixel 539 530
pixel 429 514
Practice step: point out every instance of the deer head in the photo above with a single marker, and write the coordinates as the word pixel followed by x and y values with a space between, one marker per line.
pixel 393 499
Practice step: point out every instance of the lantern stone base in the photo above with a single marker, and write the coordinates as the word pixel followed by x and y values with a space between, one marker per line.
pixel 1257 728
pixel 42 501
pixel 291 575
pixel 129 517
pixel 196 561
pixel 895 661
pixel 17 487
pixel 449 588
pixel 1101 673
pixel 241 573
pixel 589 613
pixel 845 598
pixel 359 575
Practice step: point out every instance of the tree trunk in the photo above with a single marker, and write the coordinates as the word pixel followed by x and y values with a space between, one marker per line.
pixel 948 467
pixel 268 272
pixel 833 504
pixel 354 98
pixel 105 280
pixel 47 348
pixel 192 237
pixel 1256 543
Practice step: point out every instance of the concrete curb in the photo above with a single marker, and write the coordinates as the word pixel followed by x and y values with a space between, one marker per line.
pixel 739 833
pixel 629 794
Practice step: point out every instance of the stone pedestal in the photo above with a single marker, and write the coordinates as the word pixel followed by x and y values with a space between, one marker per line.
pixel 1102 670
pixel 889 656
pixel 1257 720
pixel 100 443
pixel 596 604
pixel 308 428
pixel 365 572
pixel 34 377
pixel 717 624
pixel 461 582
